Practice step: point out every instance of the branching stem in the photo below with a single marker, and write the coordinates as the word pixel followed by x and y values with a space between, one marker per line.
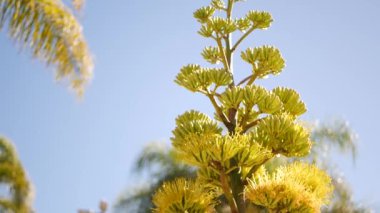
pixel 242 38
pixel 220 112
pixel 227 191
pixel 252 124
pixel 253 78
pixel 255 168
pixel 244 80
pixel 224 56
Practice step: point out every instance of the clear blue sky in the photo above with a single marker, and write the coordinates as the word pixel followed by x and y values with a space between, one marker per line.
pixel 77 152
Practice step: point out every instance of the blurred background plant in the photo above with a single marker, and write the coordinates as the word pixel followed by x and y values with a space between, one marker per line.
pixel 18 193
pixel 102 208
pixel 53 34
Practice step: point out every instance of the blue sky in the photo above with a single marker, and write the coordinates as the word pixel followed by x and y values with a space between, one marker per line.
pixel 78 152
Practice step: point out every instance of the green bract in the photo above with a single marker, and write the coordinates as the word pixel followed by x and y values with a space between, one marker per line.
pixel 243 24
pixel 188 78
pixel 197 79
pixel 194 123
pixel 270 104
pixel 291 101
pixel 281 134
pixel 204 14
pixel 218 4
pixel 212 55
pixel 222 26
pixel 253 95
pixel 219 76
pixel 231 98
pixel 206 31
pixel 265 60
pixel 259 19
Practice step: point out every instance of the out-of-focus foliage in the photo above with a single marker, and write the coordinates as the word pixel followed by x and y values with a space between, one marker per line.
pixel 13 176
pixel 160 164
pixel 336 135
pixel 343 199
pixel 103 207
pixel 78 4
pixel 53 34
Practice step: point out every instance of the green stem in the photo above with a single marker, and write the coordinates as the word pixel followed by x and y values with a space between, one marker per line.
pixel 250 125
pixel 220 113
pixel 229 8
pixel 228 41
pixel 224 57
pixel 237 187
pixel 227 192
pixel 253 78
pixel 242 38
pixel 244 80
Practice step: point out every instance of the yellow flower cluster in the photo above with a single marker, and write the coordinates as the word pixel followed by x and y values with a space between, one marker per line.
pixel 183 195
pixel 297 187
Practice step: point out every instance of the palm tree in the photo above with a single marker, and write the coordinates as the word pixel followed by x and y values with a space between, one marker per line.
pixel 12 176
pixel 53 34
pixel 161 165
pixel 50 30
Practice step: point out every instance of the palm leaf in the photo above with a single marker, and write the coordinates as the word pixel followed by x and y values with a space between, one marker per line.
pixel 12 175
pixel 52 33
